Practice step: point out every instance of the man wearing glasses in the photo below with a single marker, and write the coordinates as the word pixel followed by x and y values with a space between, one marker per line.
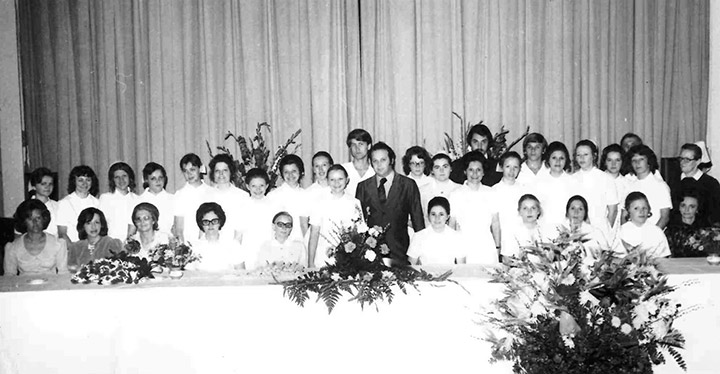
pixel 691 178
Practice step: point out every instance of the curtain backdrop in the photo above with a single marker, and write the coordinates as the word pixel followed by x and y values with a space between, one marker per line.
pixel 144 81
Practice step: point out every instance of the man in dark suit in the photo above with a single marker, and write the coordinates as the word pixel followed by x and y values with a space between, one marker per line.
pixel 389 198
pixel 480 139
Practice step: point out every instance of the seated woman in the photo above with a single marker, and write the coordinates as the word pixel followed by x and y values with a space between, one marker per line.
pixel 82 191
pixel 684 223
pixel 35 251
pixel 639 233
pixel 145 217
pixel 438 244
pixel 94 241
pixel 43 184
pixel 577 224
pixel 216 253
pixel 281 248
pixel 528 232
pixel 336 211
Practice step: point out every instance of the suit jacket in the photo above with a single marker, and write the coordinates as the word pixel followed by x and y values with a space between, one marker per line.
pixel 403 201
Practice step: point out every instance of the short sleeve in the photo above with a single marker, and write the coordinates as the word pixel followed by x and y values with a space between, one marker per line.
pixel 416 246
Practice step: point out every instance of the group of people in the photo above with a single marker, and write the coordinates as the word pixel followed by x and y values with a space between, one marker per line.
pixel 474 209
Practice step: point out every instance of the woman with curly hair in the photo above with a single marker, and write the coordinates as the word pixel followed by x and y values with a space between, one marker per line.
pixel 641 178
pixel 82 191
pixel 417 164
pixel 35 251
pixel 120 200
pixel 223 174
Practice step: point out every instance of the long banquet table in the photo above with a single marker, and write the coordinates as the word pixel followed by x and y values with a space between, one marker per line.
pixel 227 323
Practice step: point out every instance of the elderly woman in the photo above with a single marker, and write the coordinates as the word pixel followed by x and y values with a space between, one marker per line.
pixel 94 243
pixel 557 186
pixel 417 164
pixel 685 221
pixel 337 210
pixel 145 217
pixel 119 202
pixel 282 248
pixel 216 253
pixel 155 181
pixel 290 196
pixel 82 191
pixel 35 251
pixel 644 164
pixel 43 183
pixel 223 173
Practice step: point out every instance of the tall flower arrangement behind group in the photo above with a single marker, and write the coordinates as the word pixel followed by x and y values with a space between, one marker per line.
pixel 565 310
pixel 356 267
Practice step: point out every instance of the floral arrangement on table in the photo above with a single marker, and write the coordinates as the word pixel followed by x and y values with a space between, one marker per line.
pixel 565 310
pixel 120 268
pixel 356 267
pixel 498 148
pixel 255 154
pixel 688 242
pixel 172 255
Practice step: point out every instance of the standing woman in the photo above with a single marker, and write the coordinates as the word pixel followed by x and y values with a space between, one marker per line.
pixel 189 197
pixel 35 251
pixel 94 243
pixel 260 211
pixel 417 165
pixel 290 196
pixel 596 187
pixel 321 163
pixel 82 191
pixel 336 211
pixel 475 215
pixel 120 201
pixel 557 186
pixel 234 200
pixel 155 181
pixel 641 178
pixel 534 167
pixel 506 193
pixel 42 181
pixel 613 162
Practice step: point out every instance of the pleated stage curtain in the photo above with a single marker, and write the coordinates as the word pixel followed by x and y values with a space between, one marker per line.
pixel 144 81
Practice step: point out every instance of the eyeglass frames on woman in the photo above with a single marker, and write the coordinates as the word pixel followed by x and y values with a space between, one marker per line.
pixel 208 222
pixel 284 225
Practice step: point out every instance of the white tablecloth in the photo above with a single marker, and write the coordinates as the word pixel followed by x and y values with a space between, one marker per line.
pixel 244 328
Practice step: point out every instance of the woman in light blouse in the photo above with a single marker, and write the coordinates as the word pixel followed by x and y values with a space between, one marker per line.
pixel 82 191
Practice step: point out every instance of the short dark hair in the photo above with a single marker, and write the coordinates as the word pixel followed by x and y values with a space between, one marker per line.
pixel 631 135
pixel 535 137
pixel 642 150
pixel 150 208
pixel 86 216
pixel 190 158
pixel 381 146
pixel 206 208
pixel 256 173
pixel 482 130
pixel 420 153
pixel 360 135
pixel 697 151
pixel 83 171
pixel 127 169
pixel 441 156
pixel 554 147
pixel 507 155
pixel 529 196
pixel 439 201
pixel 150 168
pixel 474 156
pixel 228 160
pixel 582 201
pixel 634 196
pixel 338 167
pixel 593 149
pixel 617 148
pixel 291 159
pixel 38 174
pixel 24 211
pixel 280 214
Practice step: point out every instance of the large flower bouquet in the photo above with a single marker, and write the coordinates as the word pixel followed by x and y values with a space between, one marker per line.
pixel 356 267
pixel 120 268
pixel 568 311
pixel 172 255
pixel 688 242
pixel 255 154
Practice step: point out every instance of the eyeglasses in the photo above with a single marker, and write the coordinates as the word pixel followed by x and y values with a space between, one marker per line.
pixel 419 163
pixel 685 159
pixel 284 225
pixel 208 222
pixel 143 219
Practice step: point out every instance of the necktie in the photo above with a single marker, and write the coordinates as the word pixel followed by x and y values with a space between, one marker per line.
pixel 381 191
